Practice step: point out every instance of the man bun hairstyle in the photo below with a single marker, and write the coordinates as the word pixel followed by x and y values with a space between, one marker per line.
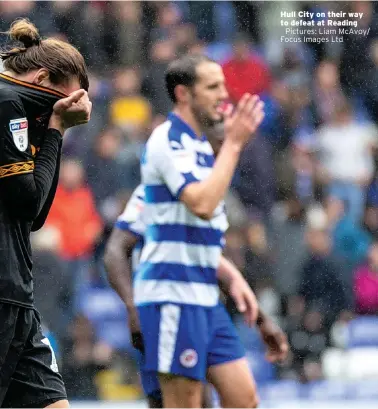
pixel 183 72
pixel 61 59
pixel 25 32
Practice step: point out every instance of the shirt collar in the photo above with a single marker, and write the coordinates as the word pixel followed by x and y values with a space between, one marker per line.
pixel 184 127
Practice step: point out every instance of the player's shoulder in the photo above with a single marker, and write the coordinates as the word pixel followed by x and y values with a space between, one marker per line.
pixel 8 94
pixel 169 136
pixel 159 135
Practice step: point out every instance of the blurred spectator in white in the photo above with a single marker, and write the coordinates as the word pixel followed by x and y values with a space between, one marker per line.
pixel 366 284
pixel 346 164
pixel 245 71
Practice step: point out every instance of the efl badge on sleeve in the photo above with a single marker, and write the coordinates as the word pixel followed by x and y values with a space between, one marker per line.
pixel 19 129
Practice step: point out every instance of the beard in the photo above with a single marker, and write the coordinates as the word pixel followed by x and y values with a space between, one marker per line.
pixel 203 118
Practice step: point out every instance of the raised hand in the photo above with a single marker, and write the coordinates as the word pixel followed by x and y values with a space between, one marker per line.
pixel 71 111
pixel 241 123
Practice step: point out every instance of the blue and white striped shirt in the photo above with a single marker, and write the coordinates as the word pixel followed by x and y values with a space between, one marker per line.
pixel 182 251
pixel 132 220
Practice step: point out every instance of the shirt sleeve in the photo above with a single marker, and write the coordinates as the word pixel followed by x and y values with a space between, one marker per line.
pixel 132 217
pixel 25 182
pixel 15 152
pixel 176 163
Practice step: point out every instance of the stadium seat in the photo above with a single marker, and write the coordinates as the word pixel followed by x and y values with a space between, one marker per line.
pixel 362 363
pixel 366 389
pixel 363 332
pixel 280 391
pixel 105 310
pixel 325 390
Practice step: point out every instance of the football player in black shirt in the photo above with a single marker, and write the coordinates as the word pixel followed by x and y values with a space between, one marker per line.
pixel 43 91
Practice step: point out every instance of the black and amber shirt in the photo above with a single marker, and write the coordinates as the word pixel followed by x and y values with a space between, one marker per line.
pixel 29 171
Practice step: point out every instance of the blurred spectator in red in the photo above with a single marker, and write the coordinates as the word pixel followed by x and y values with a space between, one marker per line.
pixel 366 284
pixel 74 214
pixel 346 164
pixel 245 71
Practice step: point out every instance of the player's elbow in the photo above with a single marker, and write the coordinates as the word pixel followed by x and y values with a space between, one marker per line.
pixel 198 201
pixel 202 210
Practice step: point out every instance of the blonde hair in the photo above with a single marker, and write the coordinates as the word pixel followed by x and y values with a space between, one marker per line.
pixel 62 60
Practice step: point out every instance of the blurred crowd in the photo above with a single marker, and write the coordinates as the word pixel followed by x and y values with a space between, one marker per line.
pixel 303 205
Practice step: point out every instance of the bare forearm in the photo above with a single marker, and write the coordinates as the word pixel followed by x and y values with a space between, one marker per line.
pixel 119 274
pixel 204 197
pixel 227 272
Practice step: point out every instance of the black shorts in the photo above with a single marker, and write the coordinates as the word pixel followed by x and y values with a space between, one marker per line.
pixel 29 375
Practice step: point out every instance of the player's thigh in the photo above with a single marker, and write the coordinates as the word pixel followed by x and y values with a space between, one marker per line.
pixel 234 383
pixel 60 404
pixel 227 368
pixel 180 392
pixel 175 340
pixel 36 381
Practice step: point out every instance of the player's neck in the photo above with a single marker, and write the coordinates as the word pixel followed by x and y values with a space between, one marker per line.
pixel 187 116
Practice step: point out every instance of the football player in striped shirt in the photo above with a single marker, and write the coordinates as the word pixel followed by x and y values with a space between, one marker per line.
pixel 187 334
pixel 122 256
